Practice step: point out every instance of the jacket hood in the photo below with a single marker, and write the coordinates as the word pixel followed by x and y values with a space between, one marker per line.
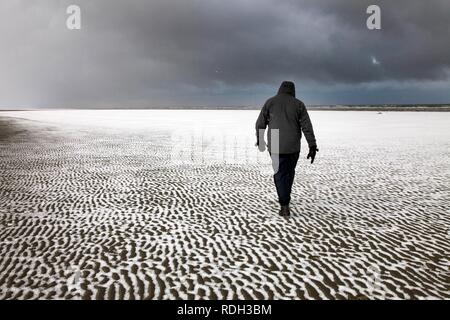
pixel 287 87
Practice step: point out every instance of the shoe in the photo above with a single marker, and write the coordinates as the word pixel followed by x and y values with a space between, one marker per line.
pixel 284 211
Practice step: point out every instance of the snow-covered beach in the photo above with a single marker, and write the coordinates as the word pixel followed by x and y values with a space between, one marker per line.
pixel 138 204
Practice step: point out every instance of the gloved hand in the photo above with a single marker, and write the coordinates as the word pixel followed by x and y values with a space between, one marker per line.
pixel 312 153
pixel 261 146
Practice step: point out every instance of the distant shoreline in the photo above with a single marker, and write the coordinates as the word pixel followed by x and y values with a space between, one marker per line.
pixel 384 107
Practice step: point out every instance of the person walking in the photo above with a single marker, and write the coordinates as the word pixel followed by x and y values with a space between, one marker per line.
pixel 286 117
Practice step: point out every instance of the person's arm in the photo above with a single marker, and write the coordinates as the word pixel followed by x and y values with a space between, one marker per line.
pixel 308 131
pixel 306 126
pixel 260 126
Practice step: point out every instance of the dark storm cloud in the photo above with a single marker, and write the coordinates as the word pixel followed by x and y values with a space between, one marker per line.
pixel 137 53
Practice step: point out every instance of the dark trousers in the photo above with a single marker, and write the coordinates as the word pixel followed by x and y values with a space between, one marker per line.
pixel 284 168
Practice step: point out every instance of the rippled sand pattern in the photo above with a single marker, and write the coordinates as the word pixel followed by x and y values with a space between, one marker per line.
pixel 94 205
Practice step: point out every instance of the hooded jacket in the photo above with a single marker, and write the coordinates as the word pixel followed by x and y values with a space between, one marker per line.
pixel 289 115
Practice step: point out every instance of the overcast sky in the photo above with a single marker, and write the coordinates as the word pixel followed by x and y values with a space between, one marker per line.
pixel 132 53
